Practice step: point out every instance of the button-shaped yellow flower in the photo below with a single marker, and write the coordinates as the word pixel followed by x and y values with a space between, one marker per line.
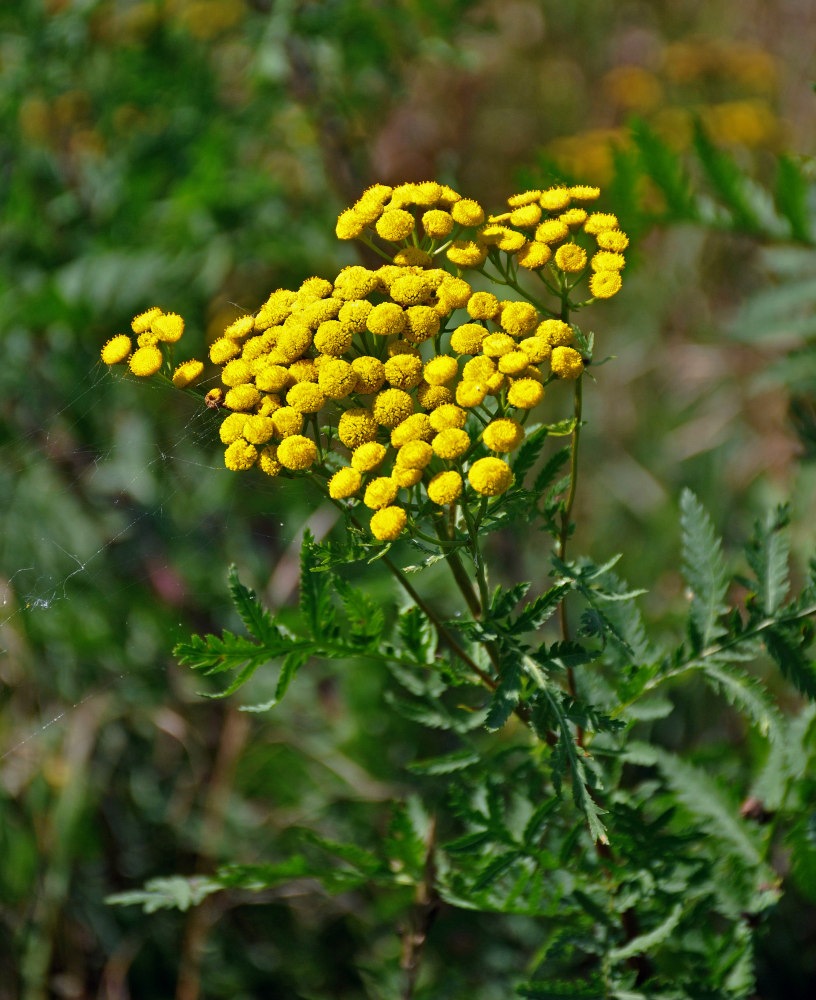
pixel 566 362
pixel 145 361
pixel 503 435
pixel 392 406
pixel 356 426
pixel 490 476
pixel 240 455
pixel 117 349
pixel 380 492
pixel 297 452
pixel 445 488
pixel 388 524
pixel 344 483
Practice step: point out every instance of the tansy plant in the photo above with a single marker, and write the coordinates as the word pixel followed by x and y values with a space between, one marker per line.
pixel 409 391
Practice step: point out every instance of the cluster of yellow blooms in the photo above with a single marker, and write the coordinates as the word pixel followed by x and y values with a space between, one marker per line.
pixel 378 381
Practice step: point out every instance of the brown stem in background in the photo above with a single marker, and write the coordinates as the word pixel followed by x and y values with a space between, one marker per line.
pixel 233 736
pixel 423 913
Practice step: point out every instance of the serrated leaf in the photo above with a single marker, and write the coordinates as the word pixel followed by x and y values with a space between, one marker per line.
pixel 291 664
pixel 727 179
pixel 549 470
pixel 540 610
pixel 748 695
pixel 506 696
pixel 315 589
pixel 495 869
pixel 554 990
pixel 643 943
pixel 665 168
pixel 792 198
pixel 788 652
pixel 768 557
pixel 528 452
pixel 562 428
pixel 445 764
pixel 253 614
pixel 366 617
pixel 703 567
pixel 176 892
pixel 505 599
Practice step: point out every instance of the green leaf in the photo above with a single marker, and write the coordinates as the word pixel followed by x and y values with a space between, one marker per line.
pixel 366 616
pixel 665 168
pixel 505 599
pixel 540 610
pixel 768 557
pixel 291 664
pixel 495 869
pixel 175 892
pixel 644 943
pixel 529 452
pixel 792 198
pixel 315 589
pixel 506 696
pixel 746 694
pixel 549 470
pixel 728 181
pixel 703 567
pixel 787 649
pixel 553 990
pixel 446 764
pixel 256 618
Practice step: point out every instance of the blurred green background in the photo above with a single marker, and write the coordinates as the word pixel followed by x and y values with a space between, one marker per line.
pixel 194 154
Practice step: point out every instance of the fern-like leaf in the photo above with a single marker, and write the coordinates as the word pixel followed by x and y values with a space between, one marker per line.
pixel 704 569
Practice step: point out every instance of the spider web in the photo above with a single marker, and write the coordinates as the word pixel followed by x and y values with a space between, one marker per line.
pixel 130 502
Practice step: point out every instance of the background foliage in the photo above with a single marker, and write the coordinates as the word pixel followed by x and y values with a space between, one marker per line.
pixel 196 154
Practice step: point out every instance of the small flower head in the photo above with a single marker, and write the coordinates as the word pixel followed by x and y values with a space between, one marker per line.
pixel 268 460
pixel 232 427
pixel 437 223
pixel 598 222
pixel 344 483
pixel 187 372
pixel 395 225
pixel 490 476
pixel 370 374
pixel 287 421
pixel 536 348
pixel 526 216
pixel 403 371
pixel 483 305
pixel 258 429
pixel 468 212
pixel 117 349
pixel 406 478
pixel 502 435
pixel 584 192
pixel 532 256
pixel 240 455
pixel 380 492
pixel 368 456
pixel 525 393
pixel 273 378
pixel 451 443
pixel 556 199
pixel 305 397
pixel 466 253
pixel 355 283
pixel 556 332
pixel 613 239
pixel 422 323
pixel 570 258
pixel 297 452
pixel 445 488
pixel 518 318
pixel 468 338
pixel 446 416
pixel 350 225
pixel 143 322
pixel 470 393
pixel 333 337
pixel 353 315
pixel 431 396
pixel 523 198
pixel 145 361
pixel 566 362
pixel 356 426
pixel 551 231
pixel 240 328
pixel 513 363
pixel 168 327
pixel 417 427
pixel 386 319
pixel 454 292
pixel 413 257
pixel 336 378
pixel 440 370
pixel 573 216
pixel 496 344
pixel 605 284
pixel 606 260
pixel 392 406
pixel 388 523
pixel 236 372
pixel 414 455
pixel 411 290
pixel 242 397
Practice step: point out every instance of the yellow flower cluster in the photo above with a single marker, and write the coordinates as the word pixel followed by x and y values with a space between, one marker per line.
pixel 152 330
pixel 542 229
pixel 401 385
